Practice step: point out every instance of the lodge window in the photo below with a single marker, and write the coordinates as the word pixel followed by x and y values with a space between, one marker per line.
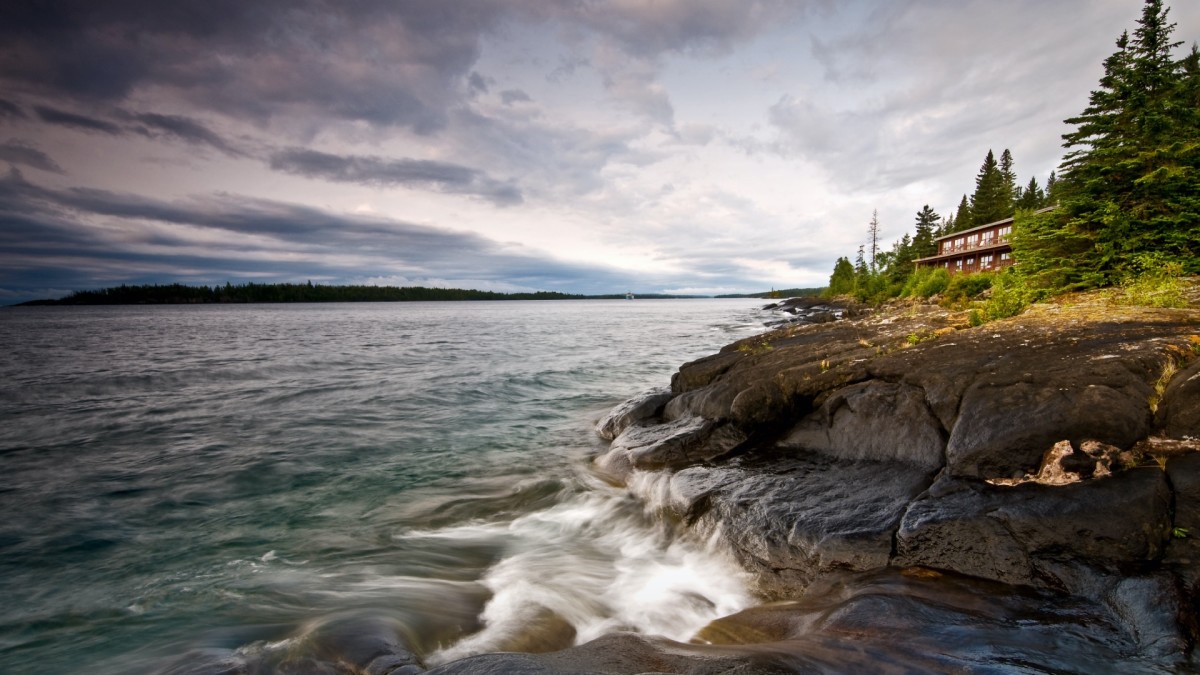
pixel 1005 231
pixel 987 236
pixel 985 260
pixel 970 262
pixel 1004 256
pixel 958 243
pixel 958 263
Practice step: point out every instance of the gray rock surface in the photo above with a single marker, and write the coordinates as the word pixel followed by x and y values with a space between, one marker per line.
pixel 637 409
pixel 873 420
pixel 1008 533
pixel 1178 413
pixel 789 520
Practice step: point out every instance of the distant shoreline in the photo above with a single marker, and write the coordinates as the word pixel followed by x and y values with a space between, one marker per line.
pixel 251 293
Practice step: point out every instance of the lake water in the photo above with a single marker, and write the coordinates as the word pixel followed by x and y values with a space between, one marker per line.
pixel 233 480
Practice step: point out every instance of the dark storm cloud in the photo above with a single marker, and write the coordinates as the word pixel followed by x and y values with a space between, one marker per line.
pixel 10 110
pixel 75 121
pixel 381 62
pixel 123 237
pixel 377 171
pixel 185 129
pixel 15 152
pixel 376 61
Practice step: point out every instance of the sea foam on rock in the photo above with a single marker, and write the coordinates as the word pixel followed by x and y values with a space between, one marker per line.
pixel 907 440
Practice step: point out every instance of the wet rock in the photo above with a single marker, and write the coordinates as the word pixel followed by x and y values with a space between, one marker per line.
pixel 789 520
pixel 631 653
pixel 1183 551
pixel 1007 533
pixel 637 409
pixel 916 620
pixel 674 444
pixel 873 420
pixel 1005 428
pixel 1151 606
pixel 1178 414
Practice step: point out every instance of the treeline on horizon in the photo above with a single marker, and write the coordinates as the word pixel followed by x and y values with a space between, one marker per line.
pixel 182 294
pixel 1126 196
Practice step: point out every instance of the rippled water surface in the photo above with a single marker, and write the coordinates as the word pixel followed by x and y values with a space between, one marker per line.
pixel 228 478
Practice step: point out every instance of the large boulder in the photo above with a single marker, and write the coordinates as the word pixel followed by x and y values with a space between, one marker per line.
pixel 642 407
pixel 1004 428
pixel 789 520
pixel 671 445
pixel 1178 414
pixel 873 420
pixel 1183 552
pixel 1036 534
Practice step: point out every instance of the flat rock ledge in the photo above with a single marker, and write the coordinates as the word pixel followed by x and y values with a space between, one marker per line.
pixel 1050 452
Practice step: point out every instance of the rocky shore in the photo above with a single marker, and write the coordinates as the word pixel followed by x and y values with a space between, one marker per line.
pixel 915 494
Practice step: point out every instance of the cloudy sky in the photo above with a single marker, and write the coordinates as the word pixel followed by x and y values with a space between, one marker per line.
pixel 592 146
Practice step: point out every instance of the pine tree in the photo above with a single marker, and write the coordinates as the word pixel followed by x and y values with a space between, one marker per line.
pixel 1010 180
pixel 992 200
pixel 1032 197
pixel 963 218
pixel 1051 190
pixel 1130 182
pixel 1133 173
pixel 922 241
pixel 841 282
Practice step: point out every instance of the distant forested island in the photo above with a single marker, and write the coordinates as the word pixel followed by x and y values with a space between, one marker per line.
pixel 182 294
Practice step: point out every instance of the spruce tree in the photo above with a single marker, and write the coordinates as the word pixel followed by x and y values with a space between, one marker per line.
pixel 1051 190
pixel 963 218
pixel 992 200
pixel 841 282
pixel 1130 182
pixel 922 241
pixel 1032 197
pixel 1010 180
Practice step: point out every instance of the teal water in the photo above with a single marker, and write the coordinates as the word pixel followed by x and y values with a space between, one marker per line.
pixel 228 479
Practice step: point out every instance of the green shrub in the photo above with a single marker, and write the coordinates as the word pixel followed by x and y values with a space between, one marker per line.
pixel 963 287
pixel 926 282
pixel 1152 281
pixel 1011 294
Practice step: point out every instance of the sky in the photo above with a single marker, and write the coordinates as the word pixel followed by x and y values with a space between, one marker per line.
pixel 582 146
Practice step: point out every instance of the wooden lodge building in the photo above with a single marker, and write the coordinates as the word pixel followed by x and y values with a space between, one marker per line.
pixel 980 249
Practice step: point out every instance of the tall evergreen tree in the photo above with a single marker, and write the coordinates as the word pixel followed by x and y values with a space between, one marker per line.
pixel 993 196
pixel 963 218
pixel 841 282
pixel 1010 179
pixel 1130 182
pixel 922 241
pixel 1032 197
pixel 1132 176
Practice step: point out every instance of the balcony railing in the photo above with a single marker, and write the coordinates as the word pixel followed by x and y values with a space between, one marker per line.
pixel 950 247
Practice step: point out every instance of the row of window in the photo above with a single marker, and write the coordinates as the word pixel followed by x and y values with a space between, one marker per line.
pixel 977 239
pixel 985 261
